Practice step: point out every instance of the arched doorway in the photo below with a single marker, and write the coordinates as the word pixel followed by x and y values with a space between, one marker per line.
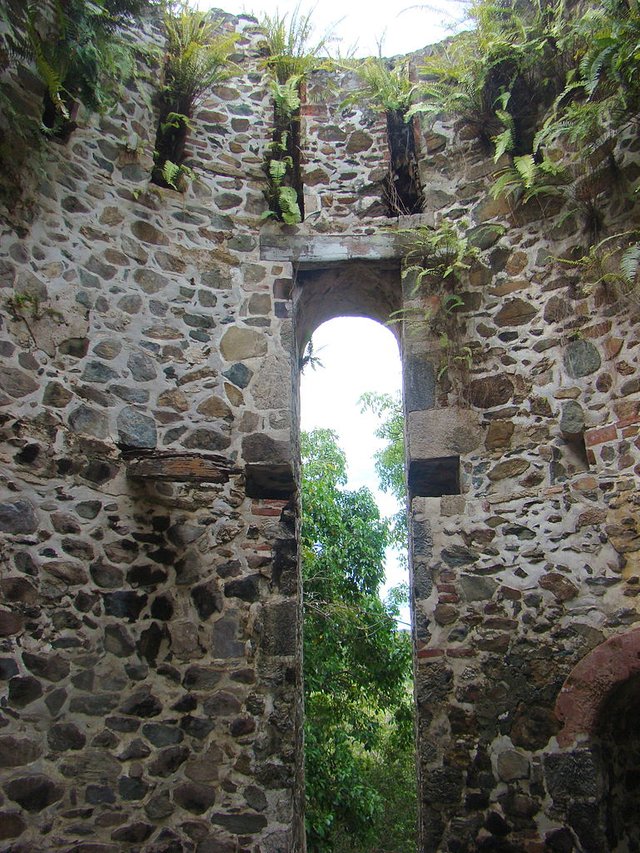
pixel 599 705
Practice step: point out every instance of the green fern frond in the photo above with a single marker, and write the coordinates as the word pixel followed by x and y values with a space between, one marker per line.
pixel 288 202
pixel 630 264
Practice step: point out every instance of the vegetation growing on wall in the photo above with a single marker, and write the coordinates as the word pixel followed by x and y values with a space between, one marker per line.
pixel 549 85
pixel 434 259
pixel 198 58
pixel 78 50
pixel 360 781
pixel 289 57
pixel 387 88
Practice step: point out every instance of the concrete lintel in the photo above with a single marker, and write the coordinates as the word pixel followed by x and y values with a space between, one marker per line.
pixel 329 248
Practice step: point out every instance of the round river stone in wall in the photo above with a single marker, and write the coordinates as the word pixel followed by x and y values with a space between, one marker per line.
pixel 581 358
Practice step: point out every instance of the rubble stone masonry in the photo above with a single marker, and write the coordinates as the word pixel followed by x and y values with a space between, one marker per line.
pixel 150 613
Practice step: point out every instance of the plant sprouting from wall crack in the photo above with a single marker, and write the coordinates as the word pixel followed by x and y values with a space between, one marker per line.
pixel 197 59
pixel 289 56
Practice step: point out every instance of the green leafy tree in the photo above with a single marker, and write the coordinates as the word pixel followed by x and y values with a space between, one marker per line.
pixel 389 460
pixel 357 664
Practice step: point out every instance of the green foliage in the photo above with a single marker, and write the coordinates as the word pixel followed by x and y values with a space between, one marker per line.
pixel 614 262
pixel 176 176
pixel 289 57
pixel 389 460
pixel 435 253
pixel 385 87
pixel 77 50
pixel 356 661
pixel 287 46
pixel 526 179
pixel 286 98
pixel 547 83
pixel 198 57
pixel 496 77
pixel 288 205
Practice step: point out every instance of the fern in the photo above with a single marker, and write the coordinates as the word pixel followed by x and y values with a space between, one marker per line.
pixel 286 97
pixel 384 87
pixel 630 265
pixel 198 57
pixel 170 173
pixel 288 202
pixel 289 51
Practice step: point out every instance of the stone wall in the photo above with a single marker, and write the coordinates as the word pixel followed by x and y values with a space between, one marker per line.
pixel 150 601
pixel 150 615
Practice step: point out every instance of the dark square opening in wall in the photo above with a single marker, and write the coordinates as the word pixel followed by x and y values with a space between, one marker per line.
pixel 432 478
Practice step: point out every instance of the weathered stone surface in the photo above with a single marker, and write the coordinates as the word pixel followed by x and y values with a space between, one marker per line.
pixel 207 599
pixel 512 765
pixel 12 825
pixel 571 775
pixel 18 517
pixel 359 141
pixel 141 366
pixel 64 736
pixel 16 383
pixel 136 429
pixel 23 690
pixel 477 588
pixel 240 343
pixel 262 448
pixel 561 587
pixel 194 797
pixel 56 395
pixel 490 391
pixel 509 468
pixel 214 407
pixel 572 419
pixel 581 358
pixel 515 312
pixel 207 439
pixel 66 571
pixel 142 704
pixel 100 373
pixel 148 233
pixel 33 793
pixel 247 823
pixel 16 752
pixel 239 374
pixel 49 667
pixel 168 760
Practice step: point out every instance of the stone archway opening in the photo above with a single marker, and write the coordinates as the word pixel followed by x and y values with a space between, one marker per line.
pixel 337 294
pixel 618 741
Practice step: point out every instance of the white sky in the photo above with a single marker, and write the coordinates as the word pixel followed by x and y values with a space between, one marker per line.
pixel 357 355
pixel 402 25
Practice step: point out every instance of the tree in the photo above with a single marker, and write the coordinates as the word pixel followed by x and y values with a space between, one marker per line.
pixel 357 662
pixel 390 459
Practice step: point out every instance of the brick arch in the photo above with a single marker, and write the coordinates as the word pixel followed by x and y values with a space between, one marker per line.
pixel 590 683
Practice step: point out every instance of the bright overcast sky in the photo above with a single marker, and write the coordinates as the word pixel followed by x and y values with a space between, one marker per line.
pixel 357 355
pixel 403 26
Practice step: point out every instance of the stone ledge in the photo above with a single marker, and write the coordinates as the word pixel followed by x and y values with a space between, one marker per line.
pixel 180 468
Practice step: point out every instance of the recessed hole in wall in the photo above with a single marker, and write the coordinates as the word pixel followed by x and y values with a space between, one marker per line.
pixel 432 478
